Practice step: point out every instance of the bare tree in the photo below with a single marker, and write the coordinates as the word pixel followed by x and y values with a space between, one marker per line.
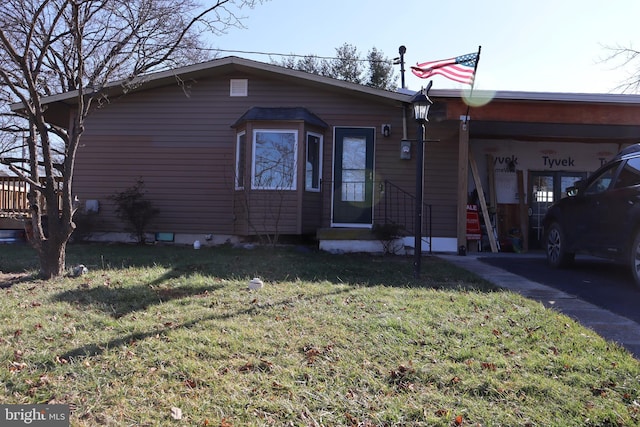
pixel 78 46
pixel 629 58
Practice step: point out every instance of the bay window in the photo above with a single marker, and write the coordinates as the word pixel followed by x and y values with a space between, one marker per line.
pixel 274 159
pixel 314 164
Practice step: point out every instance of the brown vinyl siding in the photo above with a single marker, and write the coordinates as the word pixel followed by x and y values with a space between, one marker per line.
pixel 191 194
pixel 180 142
pixel 311 212
pixel 441 184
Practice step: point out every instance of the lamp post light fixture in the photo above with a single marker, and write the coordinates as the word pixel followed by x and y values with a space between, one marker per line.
pixel 421 104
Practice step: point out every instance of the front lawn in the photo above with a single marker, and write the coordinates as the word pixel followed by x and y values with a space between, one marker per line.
pixel 162 335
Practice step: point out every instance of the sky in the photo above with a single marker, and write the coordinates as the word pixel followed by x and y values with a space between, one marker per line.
pixel 527 45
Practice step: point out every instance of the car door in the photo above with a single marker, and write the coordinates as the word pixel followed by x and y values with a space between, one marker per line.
pixel 618 209
pixel 596 221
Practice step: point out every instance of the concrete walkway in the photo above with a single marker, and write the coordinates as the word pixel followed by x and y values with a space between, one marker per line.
pixel 607 324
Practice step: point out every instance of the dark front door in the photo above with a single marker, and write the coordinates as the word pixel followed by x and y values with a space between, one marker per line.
pixel 353 177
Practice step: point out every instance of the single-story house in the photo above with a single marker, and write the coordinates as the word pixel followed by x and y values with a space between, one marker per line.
pixel 233 149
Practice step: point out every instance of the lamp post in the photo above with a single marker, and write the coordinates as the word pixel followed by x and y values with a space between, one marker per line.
pixel 421 104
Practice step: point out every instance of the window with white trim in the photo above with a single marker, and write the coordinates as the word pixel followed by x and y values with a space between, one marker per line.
pixel 274 159
pixel 314 162
pixel 241 161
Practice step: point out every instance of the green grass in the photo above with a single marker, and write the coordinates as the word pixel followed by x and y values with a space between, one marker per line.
pixel 330 340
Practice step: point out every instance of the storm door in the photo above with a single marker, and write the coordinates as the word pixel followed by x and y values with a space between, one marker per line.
pixel 353 177
pixel 546 188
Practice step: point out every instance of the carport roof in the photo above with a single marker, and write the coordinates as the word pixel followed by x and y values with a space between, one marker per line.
pixel 554 131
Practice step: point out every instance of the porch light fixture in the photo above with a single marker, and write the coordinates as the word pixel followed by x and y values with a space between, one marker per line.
pixel 421 104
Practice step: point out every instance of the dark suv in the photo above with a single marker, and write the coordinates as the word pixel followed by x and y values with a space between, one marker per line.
pixel 600 217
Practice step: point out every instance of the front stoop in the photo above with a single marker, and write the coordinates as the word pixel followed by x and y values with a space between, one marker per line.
pixel 342 240
pixel 345 234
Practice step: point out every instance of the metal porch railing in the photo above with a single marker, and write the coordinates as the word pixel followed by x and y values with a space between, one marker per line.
pixel 397 206
pixel 392 205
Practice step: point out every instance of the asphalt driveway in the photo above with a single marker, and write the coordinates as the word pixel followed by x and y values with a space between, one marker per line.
pixel 599 294
pixel 599 282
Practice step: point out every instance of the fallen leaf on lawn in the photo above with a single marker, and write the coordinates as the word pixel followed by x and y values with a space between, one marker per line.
pixel 176 413
pixel 246 367
pixel 225 423
pixel 17 366
pixel 310 353
pixel 489 366
pixel 442 413
pixel 353 420
pixel 277 386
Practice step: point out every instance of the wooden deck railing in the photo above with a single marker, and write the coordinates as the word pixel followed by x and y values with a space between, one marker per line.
pixel 13 196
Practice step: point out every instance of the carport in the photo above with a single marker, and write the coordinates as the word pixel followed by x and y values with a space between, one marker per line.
pixel 529 147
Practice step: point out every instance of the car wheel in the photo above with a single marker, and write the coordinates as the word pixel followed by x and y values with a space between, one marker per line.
pixel 634 258
pixel 557 254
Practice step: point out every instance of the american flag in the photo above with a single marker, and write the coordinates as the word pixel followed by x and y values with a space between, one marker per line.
pixel 460 69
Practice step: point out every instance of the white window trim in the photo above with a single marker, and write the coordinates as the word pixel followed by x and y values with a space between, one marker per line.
pixel 293 187
pixel 238 136
pixel 320 151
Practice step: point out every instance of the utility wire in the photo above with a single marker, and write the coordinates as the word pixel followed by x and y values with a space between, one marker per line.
pixel 293 55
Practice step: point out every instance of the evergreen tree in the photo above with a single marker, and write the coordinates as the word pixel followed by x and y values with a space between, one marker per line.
pixel 374 71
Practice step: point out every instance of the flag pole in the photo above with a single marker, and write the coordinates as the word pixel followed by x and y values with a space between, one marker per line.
pixel 473 83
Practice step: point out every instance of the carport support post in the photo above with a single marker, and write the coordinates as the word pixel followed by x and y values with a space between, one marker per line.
pixel 463 179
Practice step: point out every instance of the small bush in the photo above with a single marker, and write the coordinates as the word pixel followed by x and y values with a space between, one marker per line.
pixel 387 233
pixel 135 210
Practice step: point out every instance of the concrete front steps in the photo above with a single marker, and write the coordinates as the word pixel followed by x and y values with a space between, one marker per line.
pixel 342 240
